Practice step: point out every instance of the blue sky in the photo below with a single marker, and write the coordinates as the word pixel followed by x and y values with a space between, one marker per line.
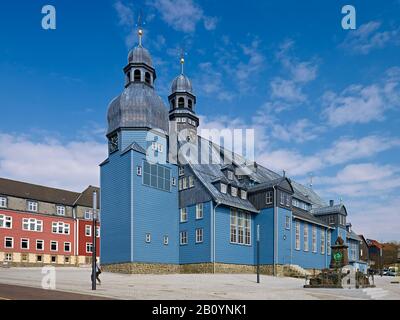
pixel 323 100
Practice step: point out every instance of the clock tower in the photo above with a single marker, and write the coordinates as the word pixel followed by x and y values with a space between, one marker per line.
pixel 182 103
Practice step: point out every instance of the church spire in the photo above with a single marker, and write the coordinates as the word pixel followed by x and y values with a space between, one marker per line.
pixel 139 26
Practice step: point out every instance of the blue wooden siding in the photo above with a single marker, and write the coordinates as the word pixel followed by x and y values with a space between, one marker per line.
pixel 284 255
pixel 266 221
pixel 115 209
pixel 196 252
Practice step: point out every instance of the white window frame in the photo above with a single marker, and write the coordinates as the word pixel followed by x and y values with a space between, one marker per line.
pixel 88 215
pixel 39 241
pixel 67 243
pixel 305 237
pixel 26 240
pixel 230 175
pixel 3 202
pixel 166 240
pixel 32 206
pixel 297 235
pixel 243 194
pixel 51 245
pixel 287 222
pixel 183 215
pixel 183 238
pixel 5 242
pixel 180 184
pixel 314 239
pixel 6 220
pixel 234 191
pixel 184 183
pixel 283 196
pixel 89 245
pixel 148 238
pixel 181 171
pixel 60 225
pixel 173 181
pixel 240 227
pixel 287 200
pixel 191 182
pixel 269 197
pixel 199 235
pixel 224 188
pixel 88 230
pixel 328 243
pixel 233 227
pixel 331 220
pixel 61 210
pixel 8 257
pixel 322 241
pixel 199 211
pixel 97 231
pixel 139 170
pixel 27 223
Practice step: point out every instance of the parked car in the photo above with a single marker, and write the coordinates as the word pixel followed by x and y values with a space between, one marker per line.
pixel 391 273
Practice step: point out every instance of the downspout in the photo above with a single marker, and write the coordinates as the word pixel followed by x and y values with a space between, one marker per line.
pixel 214 212
pixel 275 233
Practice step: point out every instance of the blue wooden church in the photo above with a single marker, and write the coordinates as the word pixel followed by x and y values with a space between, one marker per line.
pixel 165 213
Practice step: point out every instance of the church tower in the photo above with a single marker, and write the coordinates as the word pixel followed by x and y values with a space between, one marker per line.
pixel 182 103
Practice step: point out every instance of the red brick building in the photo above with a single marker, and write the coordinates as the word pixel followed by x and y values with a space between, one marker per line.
pixel 42 225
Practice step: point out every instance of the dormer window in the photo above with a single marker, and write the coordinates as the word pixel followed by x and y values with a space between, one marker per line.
pixel 181 103
pixel 230 175
pixel 147 78
pixel 243 194
pixel 137 76
pixel 234 191
pixel 3 202
pixel 223 188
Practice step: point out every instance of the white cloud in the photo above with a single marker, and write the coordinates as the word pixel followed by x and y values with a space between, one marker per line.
pixel 287 90
pixel 125 14
pixel 367 37
pixel 183 15
pixel 363 104
pixel 72 165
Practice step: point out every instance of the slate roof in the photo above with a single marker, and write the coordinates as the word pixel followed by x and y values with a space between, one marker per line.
pixel 304 215
pixel 30 191
pixel 353 235
pixel 268 184
pixel 338 208
pixel 135 147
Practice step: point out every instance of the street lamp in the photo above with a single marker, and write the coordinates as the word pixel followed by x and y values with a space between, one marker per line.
pixel 94 240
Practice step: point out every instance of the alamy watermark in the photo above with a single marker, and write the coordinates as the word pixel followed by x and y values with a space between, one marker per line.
pixel 49 278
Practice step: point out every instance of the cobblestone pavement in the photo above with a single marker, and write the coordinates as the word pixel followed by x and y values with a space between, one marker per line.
pixel 193 286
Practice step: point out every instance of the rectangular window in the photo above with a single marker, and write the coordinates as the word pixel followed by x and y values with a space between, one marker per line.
pixel 3 202
pixel 8 257
pixel 331 220
pixel 139 170
pixel 191 182
pixel 97 232
pixel 199 235
pixel 223 188
pixel 53 259
pixel 148 237
pixel 88 231
pixel 32 206
pixel 230 175
pixel 297 226
pixel 88 215
pixel 166 240
pixel 322 241
pixel 39 244
pixel 5 222
pixel 24 257
pixel 328 243
pixel 25 244
pixel 180 184
pixel 31 224
pixel 9 242
pixel 173 181
pixel 60 227
pixel 282 198
pixel 181 171
pixel 39 258
pixel 269 197
pixel 184 215
pixel 53 245
pixel 247 229
pixel 234 191
pixel 89 247
pixel 184 183
pixel 233 226
pixel 287 200
pixel 287 222
pixel 183 238
pixel 156 176
pixel 199 211
pixel 67 246
pixel 305 237
pixel 243 194
pixel 314 239
pixel 60 210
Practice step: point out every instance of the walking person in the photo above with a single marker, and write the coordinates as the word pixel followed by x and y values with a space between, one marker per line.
pixel 98 271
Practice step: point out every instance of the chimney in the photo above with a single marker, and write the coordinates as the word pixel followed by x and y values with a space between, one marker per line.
pixel 331 203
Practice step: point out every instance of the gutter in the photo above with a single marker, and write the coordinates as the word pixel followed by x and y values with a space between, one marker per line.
pixel 275 233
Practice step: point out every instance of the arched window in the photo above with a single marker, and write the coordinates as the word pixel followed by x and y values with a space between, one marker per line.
pixel 137 76
pixel 173 103
pixel 181 103
pixel 147 78
pixel 190 104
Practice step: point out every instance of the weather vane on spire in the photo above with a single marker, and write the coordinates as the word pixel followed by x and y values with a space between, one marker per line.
pixel 140 23
pixel 182 60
